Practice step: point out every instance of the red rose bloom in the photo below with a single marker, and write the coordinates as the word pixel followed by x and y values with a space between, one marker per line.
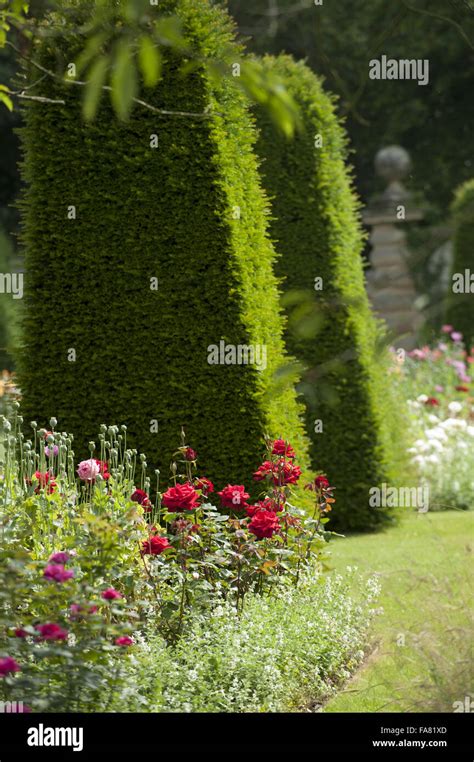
pixel 190 454
pixel 266 469
pixel 8 666
pixel 264 524
pixel 263 505
pixel 20 633
pixel 51 631
pixel 141 497
pixel 233 496
pixel 183 497
pixel 205 485
pixel 123 640
pixel 321 482
pixel 111 594
pixel 58 573
pixel 462 388
pixel 280 447
pixel 432 402
pixel 154 545
pixel 281 472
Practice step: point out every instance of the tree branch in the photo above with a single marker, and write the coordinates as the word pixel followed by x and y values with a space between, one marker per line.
pixel 81 83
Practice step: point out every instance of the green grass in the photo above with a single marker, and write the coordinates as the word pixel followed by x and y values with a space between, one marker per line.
pixel 420 658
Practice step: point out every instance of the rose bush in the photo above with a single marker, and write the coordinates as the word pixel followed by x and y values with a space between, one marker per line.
pixel 93 558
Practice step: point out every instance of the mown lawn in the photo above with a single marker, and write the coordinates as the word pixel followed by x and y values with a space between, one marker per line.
pixel 421 655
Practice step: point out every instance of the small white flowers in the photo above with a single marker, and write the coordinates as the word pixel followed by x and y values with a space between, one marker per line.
pixel 455 407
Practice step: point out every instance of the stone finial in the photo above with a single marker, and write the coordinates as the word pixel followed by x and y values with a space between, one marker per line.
pixel 392 163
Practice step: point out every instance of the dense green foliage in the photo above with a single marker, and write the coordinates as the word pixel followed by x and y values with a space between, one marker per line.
pixel 318 235
pixel 338 39
pixel 461 304
pixel 144 213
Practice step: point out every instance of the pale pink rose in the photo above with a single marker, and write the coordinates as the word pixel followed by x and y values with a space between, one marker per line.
pixel 88 470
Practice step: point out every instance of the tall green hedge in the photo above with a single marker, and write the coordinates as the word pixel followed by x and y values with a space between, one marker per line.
pixel 141 213
pixel 316 229
pixel 460 311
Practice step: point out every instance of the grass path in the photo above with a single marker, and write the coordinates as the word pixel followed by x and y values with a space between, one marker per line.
pixel 421 658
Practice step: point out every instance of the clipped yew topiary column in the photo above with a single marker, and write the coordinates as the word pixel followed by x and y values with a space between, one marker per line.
pixel 147 257
pixel 460 311
pixel 316 228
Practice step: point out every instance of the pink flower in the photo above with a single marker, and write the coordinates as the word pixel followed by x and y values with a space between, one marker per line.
pixel 21 633
pixel 51 631
pixel 88 470
pixel 58 573
pixel 233 496
pixel 8 666
pixel 59 558
pixel 456 336
pixel 447 329
pixel 124 640
pixel 111 594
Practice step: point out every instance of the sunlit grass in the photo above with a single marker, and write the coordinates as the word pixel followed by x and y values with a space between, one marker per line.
pixel 423 639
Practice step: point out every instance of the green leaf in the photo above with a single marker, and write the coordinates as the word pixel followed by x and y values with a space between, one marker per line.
pixel 150 61
pixel 124 81
pixel 97 75
pixel 4 98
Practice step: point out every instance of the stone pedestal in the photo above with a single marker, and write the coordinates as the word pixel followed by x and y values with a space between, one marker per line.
pixel 389 284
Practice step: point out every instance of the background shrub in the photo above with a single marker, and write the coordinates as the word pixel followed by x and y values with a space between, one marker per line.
pixel 461 306
pixel 190 213
pixel 334 334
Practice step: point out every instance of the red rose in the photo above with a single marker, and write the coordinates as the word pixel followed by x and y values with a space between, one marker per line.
pixel 432 402
pixel 183 497
pixel 154 545
pixel 280 447
pixel 8 666
pixel 51 631
pixel 141 497
pixel 57 572
pixel 263 505
pixel 264 524
pixel 321 482
pixel 205 485
pixel 123 640
pixel 233 496
pixel 281 472
pixel 462 388
pixel 190 454
pixel 111 594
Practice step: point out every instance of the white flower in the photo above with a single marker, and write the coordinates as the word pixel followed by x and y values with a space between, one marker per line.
pixel 454 407
pixel 470 431
pixel 422 398
pixel 433 418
